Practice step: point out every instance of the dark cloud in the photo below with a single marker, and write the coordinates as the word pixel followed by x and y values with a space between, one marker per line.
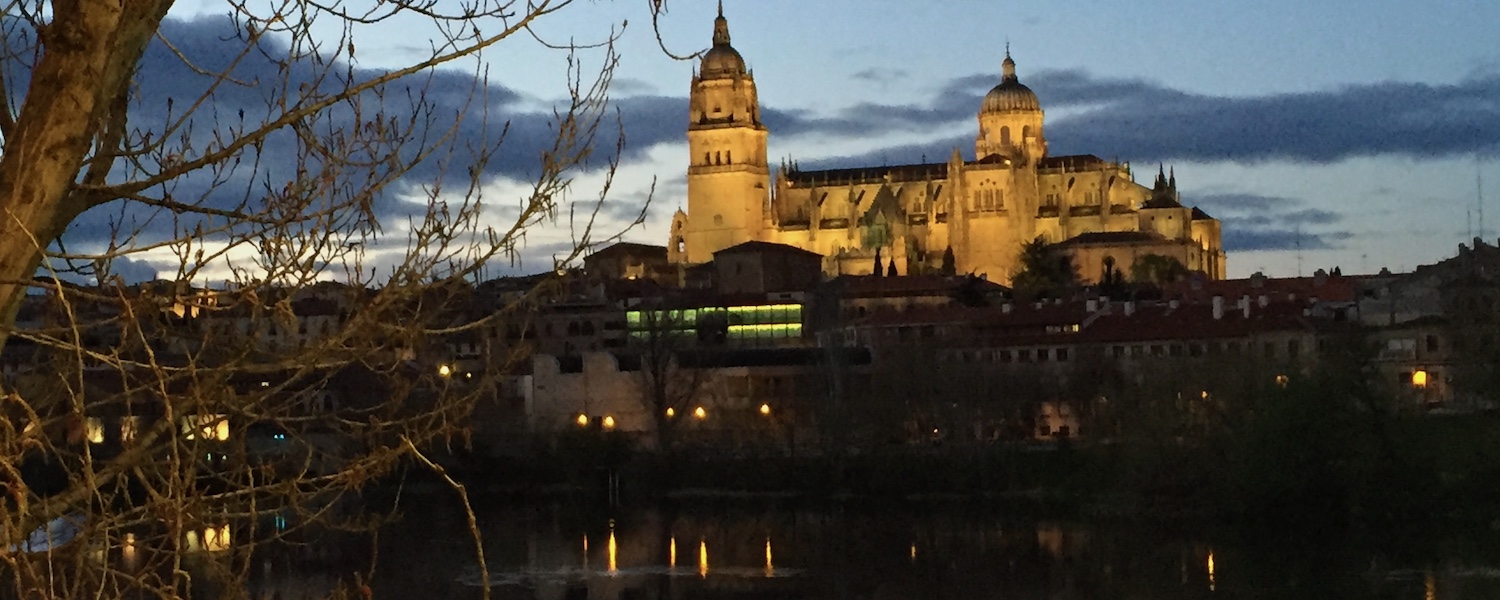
pixel 1255 222
pixel 481 115
pixel 881 76
pixel 132 271
pixel 1145 121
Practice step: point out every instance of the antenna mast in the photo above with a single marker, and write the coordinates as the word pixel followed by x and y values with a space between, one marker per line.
pixel 1479 193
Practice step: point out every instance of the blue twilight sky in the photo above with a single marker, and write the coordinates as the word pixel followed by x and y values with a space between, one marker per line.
pixel 1321 133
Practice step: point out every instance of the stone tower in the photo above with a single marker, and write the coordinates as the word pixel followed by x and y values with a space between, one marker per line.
pixel 727 175
pixel 1010 120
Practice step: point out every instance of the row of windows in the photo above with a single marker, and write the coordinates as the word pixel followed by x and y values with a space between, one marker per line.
pixel 989 200
pixel 1291 349
pixel 1022 355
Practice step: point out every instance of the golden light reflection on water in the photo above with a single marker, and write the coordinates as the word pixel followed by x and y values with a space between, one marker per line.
pixel 613 550
pixel 914 552
pixel 770 567
pixel 130 554
pixel 1212 582
pixel 672 553
pixel 702 558
pixel 1429 586
pixel 585 552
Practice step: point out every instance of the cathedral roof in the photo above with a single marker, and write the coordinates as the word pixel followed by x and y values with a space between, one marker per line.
pixel 1113 237
pixel 722 60
pixel 918 172
pixel 1011 95
pixel 758 247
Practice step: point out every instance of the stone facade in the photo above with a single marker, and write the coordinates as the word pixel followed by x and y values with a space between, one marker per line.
pixel 981 209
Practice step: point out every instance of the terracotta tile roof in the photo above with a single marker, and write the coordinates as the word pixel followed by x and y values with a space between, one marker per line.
pixel 629 248
pixel 765 247
pixel 1331 288
pixel 870 286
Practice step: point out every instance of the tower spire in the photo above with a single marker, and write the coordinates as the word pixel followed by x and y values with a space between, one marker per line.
pixel 721 27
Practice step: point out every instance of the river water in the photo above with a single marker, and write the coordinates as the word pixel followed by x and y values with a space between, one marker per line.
pixel 756 548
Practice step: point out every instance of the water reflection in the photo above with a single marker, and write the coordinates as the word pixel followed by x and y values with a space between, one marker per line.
pixel 554 552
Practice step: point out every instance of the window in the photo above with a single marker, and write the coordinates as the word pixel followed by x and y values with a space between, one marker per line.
pixel 1119 351
pixel 1005 135
pixel 1062 355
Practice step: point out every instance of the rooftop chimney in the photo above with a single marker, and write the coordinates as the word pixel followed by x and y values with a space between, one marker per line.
pixel 1129 307
pixel 1092 306
pixel 1218 307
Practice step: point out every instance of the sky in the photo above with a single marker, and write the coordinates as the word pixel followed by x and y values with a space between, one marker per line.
pixel 1322 134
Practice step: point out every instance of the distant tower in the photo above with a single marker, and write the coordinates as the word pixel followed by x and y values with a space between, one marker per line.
pixel 727 175
pixel 1010 119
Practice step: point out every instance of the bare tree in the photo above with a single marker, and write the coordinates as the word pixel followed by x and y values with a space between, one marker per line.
pixel 174 416
pixel 662 338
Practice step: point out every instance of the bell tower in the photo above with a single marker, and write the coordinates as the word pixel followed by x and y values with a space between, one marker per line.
pixel 728 178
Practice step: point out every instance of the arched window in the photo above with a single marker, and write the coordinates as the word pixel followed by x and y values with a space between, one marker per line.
pixel 707 158
pixel 1026 133
pixel 1005 135
pixel 718 158
pixel 728 157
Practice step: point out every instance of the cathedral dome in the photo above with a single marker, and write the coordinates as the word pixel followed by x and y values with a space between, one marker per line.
pixel 1011 95
pixel 722 60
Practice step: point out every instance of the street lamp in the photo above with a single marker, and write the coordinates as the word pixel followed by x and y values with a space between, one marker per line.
pixel 765 409
pixel 609 422
pixel 583 420
pixel 445 370
pixel 700 413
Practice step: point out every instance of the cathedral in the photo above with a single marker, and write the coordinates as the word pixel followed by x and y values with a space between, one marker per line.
pixel 973 214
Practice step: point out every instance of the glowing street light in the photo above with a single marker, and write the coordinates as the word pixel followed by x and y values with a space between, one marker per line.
pixel 609 422
pixel 700 413
pixel 765 409
pixel 670 412
pixel 583 420
pixel 445 370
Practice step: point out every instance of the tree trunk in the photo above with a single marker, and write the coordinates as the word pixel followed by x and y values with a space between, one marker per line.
pixel 91 49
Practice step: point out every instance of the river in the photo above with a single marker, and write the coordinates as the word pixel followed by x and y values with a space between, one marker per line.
pixel 855 549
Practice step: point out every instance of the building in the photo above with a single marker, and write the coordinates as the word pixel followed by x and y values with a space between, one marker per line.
pixel 980 210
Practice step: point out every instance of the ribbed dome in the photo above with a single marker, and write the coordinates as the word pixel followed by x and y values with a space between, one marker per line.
pixel 1011 95
pixel 722 60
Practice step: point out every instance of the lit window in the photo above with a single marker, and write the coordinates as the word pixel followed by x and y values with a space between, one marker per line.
pixel 1419 379
pixel 129 428
pixel 1281 380
pixel 208 427
pixel 95 427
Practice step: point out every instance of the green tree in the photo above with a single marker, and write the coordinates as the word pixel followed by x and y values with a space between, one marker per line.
pixel 1156 269
pixel 1045 270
